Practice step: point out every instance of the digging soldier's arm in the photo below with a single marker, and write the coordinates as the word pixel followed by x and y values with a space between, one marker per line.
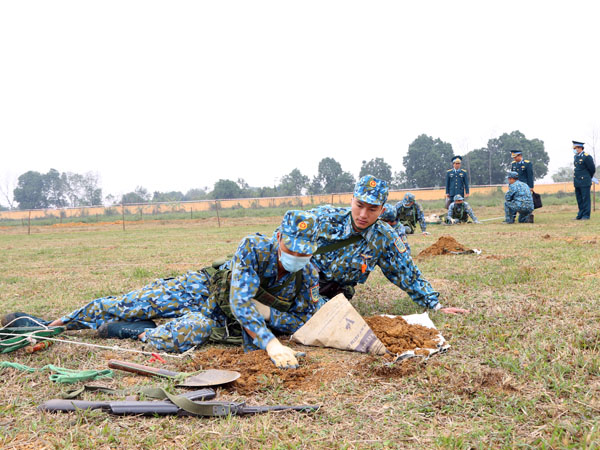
pixel 303 307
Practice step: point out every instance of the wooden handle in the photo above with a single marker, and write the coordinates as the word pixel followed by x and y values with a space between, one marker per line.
pixel 141 370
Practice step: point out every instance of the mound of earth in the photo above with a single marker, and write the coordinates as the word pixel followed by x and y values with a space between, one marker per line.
pixel 258 372
pixel 398 336
pixel 445 245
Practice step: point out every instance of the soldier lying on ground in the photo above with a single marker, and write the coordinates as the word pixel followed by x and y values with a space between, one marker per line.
pixel 352 242
pixel 459 212
pixel 409 212
pixel 269 283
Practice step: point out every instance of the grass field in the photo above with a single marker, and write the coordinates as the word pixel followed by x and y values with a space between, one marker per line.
pixel 523 370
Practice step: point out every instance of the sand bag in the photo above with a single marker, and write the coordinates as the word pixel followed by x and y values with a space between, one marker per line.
pixel 338 325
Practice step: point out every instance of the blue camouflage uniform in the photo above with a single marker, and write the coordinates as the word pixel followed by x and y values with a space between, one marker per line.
pixel 187 299
pixel 518 199
pixel 461 212
pixel 378 245
pixel 410 215
pixel 388 215
pixel 582 181
pixel 523 168
pixel 457 182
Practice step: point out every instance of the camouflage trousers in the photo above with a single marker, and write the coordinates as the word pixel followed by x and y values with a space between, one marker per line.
pixel 185 299
pixel 512 208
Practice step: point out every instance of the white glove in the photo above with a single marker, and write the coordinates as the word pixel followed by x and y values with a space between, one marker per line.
pixel 282 356
pixel 264 310
pixel 477 221
pixel 453 221
pixel 426 233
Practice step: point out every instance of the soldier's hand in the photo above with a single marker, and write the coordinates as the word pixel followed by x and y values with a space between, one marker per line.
pixel 282 356
pixel 426 233
pixel 454 311
pixel 477 221
pixel 264 310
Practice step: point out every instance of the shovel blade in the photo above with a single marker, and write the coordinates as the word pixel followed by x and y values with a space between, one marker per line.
pixel 211 377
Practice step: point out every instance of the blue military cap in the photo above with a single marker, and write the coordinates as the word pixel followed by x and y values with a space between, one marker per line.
pixel 409 197
pixel 515 152
pixel 458 197
pixel 371 190
pixel 299 231
pixel 577 144
pixel 456 159
pixel 513 174
pixel 389 213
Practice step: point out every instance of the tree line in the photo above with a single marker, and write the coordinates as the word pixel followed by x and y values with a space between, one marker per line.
pixel 425 165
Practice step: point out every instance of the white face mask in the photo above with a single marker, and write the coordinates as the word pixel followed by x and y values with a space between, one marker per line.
pixel 575 151
pixel 293 263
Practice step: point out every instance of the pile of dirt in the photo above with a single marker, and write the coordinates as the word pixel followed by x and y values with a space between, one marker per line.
pixel 258 372
pixel 445 245
pixel 398 336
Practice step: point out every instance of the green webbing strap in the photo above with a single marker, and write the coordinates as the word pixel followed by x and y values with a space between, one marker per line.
pixel 157 393
pixel 63 375
pixel 339 244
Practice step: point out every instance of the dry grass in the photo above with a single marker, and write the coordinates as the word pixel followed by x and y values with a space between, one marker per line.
pixel 523 370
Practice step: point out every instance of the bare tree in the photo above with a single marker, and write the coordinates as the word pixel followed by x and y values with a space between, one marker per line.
pixel 7 186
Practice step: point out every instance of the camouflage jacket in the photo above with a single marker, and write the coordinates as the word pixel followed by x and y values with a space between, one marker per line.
pixel 519 196
pixel 380 246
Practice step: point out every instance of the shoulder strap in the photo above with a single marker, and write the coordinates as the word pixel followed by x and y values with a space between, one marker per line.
pixel 339 244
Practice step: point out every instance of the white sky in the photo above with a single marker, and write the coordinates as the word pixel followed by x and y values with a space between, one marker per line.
pixel 174 95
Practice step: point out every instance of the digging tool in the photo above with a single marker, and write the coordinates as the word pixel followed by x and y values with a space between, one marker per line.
pixel 211 377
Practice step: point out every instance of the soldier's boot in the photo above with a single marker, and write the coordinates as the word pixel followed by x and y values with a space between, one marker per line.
pixel 124 330
pixel 530 218
pixel 21 319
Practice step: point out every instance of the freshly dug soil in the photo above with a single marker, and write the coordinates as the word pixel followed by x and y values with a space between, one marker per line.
pixel 258 372
pixel 445 245
pixel 398 336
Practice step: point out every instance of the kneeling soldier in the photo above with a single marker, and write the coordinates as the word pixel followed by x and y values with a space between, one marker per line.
pixel 518 199
pixel 269 283
pixel 409 212
pixel 459 212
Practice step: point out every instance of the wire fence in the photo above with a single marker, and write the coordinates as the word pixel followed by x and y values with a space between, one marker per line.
pixel 220 209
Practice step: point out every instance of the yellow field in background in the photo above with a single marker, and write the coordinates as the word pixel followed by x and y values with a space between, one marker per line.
pixel 268 202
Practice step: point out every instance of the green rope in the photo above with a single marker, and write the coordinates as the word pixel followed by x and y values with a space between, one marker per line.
pixel 62 375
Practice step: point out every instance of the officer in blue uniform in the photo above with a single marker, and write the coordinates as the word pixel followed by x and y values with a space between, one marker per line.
pixel 523 167
pixel 518 199
pixel 582 180
pixel 352 243
pixel 269 285
pixel 457 181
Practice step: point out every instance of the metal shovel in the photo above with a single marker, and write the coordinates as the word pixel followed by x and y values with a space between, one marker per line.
pixel 211 377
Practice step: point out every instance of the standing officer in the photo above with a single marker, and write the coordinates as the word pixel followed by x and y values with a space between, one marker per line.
pixel 457 181
pixel 582 180
pixel 523 167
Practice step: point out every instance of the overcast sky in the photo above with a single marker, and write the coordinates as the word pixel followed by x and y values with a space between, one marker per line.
pixel 174 95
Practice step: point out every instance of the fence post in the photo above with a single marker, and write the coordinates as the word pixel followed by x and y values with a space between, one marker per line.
pixel 29 224
pixel 217 208
pixel 123 212
pixel 191 212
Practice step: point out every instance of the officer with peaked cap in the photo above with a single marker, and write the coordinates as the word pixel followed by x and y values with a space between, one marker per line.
pixel 582 180
pixel 457 181
pixel 352 243
pixel 518 199
pixel 270 285
pixel 523 167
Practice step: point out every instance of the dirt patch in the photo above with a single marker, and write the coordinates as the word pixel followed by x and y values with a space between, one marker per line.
pixel 398 336
pixel 379 366
pixel 445 245
pixel 258 372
